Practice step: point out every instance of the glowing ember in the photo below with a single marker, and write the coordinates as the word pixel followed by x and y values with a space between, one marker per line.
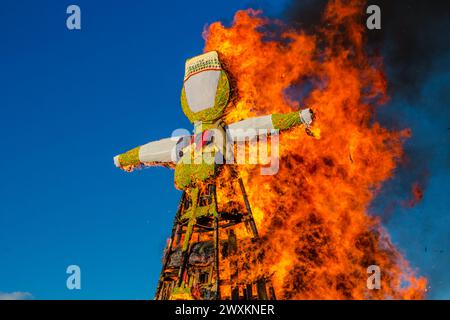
pixel 416 195
pixel 317 237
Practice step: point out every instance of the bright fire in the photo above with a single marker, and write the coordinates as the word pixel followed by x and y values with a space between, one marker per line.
pixel 317 236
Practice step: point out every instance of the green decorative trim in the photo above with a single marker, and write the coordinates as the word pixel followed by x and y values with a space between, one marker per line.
pixel 182 292
pixel 187 174
pixel 216 111
pixel 193 194
pixel 182 177
pixel 206 125
pixel 208 210
pixel 282 121
pixel 130 158
pixel 194 212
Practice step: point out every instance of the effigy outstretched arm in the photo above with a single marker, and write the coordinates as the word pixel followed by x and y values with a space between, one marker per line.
pixel 155 153
pixel 278 121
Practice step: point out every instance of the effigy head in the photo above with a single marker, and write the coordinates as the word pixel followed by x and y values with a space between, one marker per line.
pixel 206 89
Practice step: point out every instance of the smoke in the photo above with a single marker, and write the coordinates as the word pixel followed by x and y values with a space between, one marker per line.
pixel 413 39
pixel 413 42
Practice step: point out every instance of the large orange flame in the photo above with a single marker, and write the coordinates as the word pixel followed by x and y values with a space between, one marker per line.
pixel 317 236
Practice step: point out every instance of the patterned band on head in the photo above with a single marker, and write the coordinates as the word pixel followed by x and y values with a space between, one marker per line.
pixel 207 61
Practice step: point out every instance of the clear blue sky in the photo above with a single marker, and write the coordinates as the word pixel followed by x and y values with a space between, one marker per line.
pixel 71 100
